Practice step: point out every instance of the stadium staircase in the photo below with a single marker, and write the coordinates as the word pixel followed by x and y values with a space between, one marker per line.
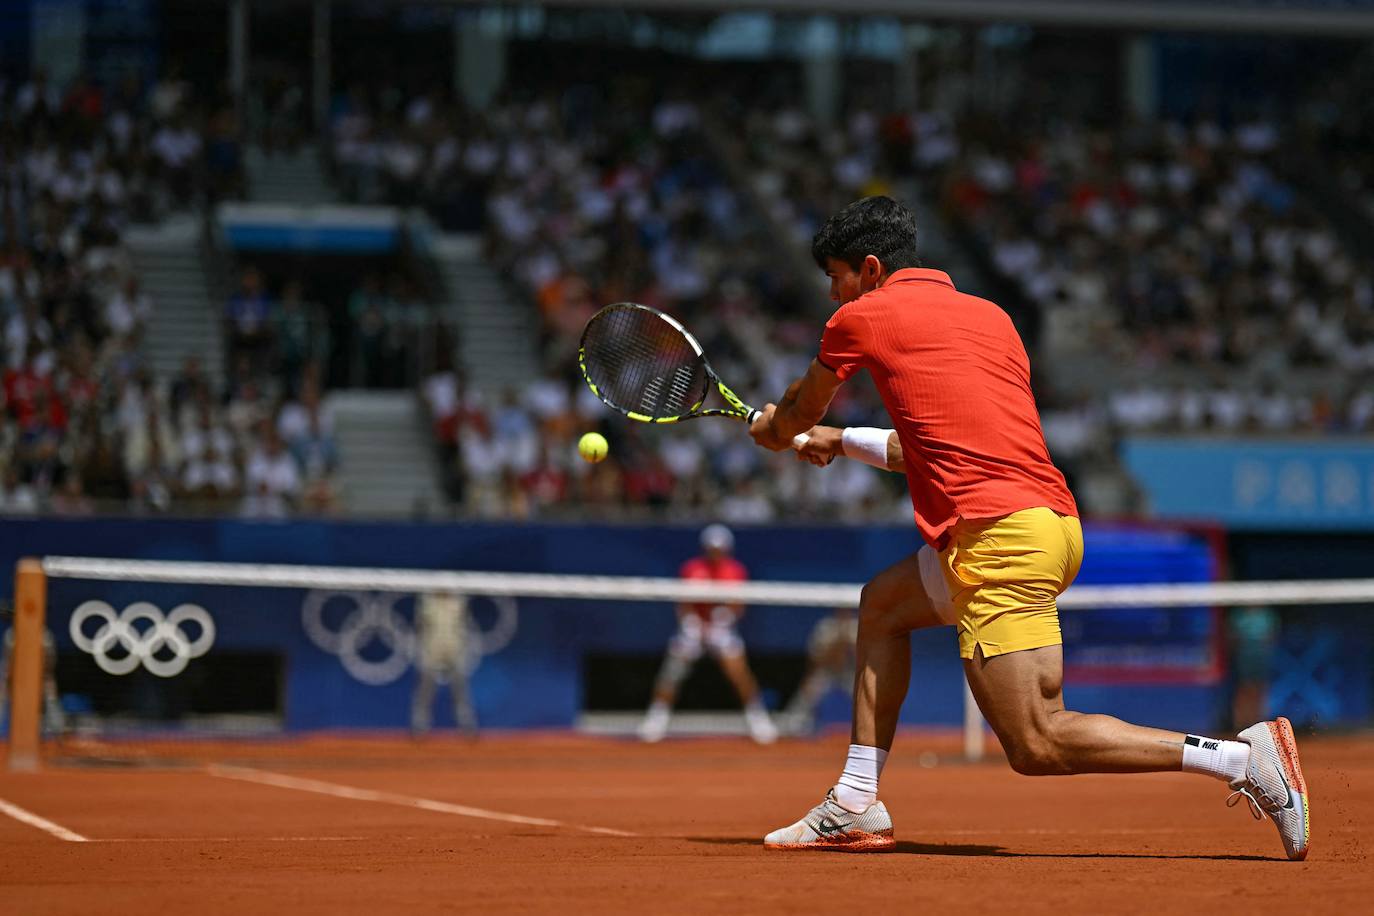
pixel 386 455
pixel 288 178
pixel 498 332
pixel 167 258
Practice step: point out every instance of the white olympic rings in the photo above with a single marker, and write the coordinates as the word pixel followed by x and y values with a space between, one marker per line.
pixel 374 618
pixel 142 646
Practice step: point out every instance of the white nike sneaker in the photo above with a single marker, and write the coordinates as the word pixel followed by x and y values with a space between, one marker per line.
pixel 653 729
pixel 828 826
pixel 761 727
pixel 1273 784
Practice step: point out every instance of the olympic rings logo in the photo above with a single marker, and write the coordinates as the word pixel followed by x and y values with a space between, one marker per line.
pixel 375 619
pixel 145 645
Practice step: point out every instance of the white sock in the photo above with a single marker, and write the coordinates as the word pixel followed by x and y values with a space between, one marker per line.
pixel 1226 760
pixel 857 789
pixel 658 711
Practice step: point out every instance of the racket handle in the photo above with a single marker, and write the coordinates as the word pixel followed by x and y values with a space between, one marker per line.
pixel 798 440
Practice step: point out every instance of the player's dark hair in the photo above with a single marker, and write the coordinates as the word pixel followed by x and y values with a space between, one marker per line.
pixel 878 226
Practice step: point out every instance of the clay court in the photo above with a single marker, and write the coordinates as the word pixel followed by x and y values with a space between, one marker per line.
pixel 565 824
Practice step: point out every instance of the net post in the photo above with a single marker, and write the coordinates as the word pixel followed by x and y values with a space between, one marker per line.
pixel 26 667
pixel 973 727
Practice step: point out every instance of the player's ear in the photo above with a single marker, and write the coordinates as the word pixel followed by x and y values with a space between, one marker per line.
pixel 871 271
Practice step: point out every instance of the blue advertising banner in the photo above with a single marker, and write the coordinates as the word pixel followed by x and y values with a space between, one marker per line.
pixel 349 659
pixel 284 227
pixel 1275 484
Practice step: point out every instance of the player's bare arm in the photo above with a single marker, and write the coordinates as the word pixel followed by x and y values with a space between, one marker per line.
pixel 826 443
pixel 802 407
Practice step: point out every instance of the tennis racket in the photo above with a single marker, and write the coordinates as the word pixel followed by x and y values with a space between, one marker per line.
pixel 646 365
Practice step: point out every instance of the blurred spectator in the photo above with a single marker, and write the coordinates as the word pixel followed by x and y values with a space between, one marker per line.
pixel 152 453
pixel 272 480
pixel 298 336
pixel 210 476
pixel 248 314
pixel 189 387
pixel 70 498
pixel 306 426
pixel 127 312
pixel 177 147
pixel 16 497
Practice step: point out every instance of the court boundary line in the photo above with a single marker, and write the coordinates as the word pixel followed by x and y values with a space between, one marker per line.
pixel 242 839
pixel 338 790
pixel 24 816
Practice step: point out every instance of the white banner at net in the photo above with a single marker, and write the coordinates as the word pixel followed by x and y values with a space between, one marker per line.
pixel 634 588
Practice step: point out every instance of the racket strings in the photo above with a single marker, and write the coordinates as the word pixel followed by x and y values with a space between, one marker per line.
pixel 641 363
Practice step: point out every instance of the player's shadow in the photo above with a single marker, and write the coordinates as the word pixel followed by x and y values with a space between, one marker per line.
pixel 903 846
pixel 967 849
pixel 979 850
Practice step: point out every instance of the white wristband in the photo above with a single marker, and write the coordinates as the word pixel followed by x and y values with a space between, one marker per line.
pixel 866 444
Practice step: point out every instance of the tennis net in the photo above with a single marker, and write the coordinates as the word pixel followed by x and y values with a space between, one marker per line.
pixel 113 659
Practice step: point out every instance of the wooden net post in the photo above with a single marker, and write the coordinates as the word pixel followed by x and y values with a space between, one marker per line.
pixel 26 665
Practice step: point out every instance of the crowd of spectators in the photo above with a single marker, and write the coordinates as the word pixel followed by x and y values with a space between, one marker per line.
pixel 1177 258
pixel 1158 247
pixel 1180 254
pixel 515 457
pixel 393 332
pixel 1165 244
pixel 590 200
pixel 85 422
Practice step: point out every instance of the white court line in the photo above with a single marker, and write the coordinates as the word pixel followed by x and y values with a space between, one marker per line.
pixel 42 823
pixel 246 774
pixel 242 839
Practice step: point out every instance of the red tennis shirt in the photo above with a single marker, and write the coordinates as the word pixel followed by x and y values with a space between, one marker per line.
pixel 955 379
pixel 722 569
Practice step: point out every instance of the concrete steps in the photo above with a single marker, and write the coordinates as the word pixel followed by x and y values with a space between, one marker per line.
pixel 185 321
pixel 499 331
pixel 387 463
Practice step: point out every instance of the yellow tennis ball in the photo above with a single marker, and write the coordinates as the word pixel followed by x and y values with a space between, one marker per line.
pixel 593 447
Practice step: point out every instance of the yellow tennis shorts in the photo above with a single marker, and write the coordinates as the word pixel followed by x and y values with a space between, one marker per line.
pixel 1004 575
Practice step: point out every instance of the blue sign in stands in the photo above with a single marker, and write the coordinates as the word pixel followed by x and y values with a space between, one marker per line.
pixel 331 229
pixel 1287 483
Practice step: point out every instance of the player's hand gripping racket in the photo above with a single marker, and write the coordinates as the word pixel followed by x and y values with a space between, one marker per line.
pixel 646 365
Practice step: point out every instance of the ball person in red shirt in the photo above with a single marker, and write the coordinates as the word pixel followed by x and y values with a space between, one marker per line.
pixel 1002 540
pixel 706 627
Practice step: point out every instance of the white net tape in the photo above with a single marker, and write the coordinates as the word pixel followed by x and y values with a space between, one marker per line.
pixel 630 588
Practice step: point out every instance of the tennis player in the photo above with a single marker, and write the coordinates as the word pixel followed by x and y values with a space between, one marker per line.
pixel 445 654
pixel 706 627
pixel 1002 541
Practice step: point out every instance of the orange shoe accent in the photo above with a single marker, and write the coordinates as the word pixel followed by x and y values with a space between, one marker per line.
pixel 1282 730
pixel 855 841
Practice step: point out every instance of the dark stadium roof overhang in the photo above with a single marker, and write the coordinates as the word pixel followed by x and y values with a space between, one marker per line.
pixel 1347 18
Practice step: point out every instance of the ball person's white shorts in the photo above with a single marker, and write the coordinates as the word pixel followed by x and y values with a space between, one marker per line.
pixel 695 635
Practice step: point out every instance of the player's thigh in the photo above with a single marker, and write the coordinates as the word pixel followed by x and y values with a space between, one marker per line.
pixel 1018 691
pixel 899 599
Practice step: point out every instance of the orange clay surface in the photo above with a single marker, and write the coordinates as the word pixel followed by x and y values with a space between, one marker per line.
pixel 562 824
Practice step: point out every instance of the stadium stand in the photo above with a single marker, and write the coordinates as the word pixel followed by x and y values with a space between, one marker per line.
pixel 87 423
